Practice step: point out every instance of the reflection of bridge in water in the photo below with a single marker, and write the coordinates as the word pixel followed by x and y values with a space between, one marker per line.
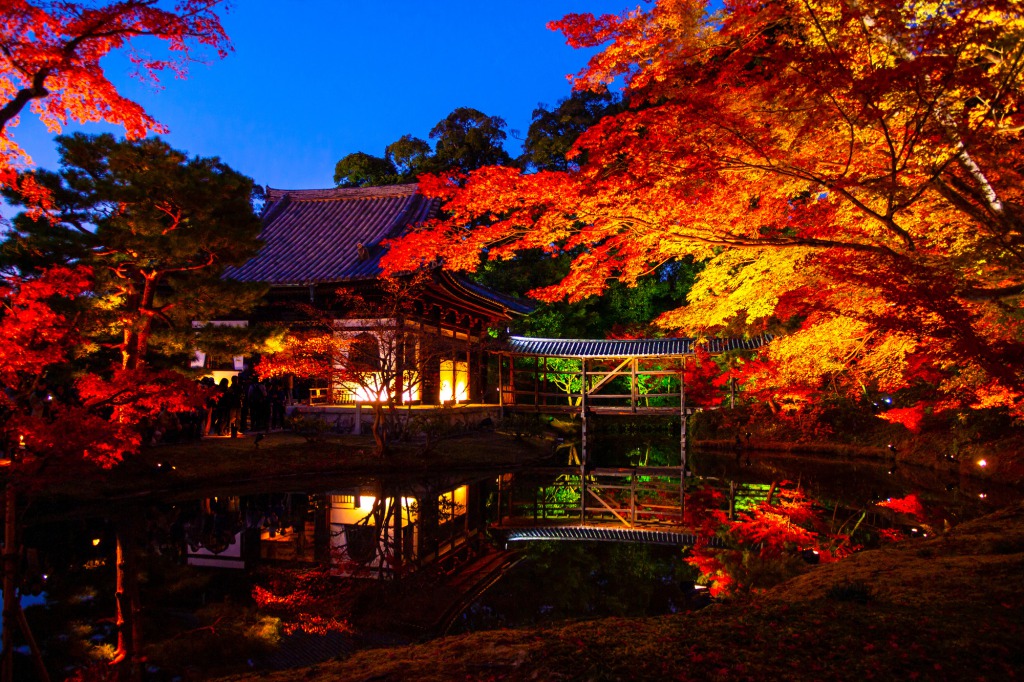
pixel 639 504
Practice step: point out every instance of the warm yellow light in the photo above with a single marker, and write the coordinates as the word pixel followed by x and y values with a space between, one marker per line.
pixel 454 381
pixel 95 542
pixel 367 391
pixel 982 463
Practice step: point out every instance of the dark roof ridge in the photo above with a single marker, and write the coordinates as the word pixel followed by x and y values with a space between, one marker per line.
pixel 273 194
pixel 622 348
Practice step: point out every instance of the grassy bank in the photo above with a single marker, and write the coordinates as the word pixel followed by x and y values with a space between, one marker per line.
pixel 948 608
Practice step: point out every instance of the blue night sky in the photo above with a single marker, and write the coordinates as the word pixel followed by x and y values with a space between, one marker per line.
pixel 313 80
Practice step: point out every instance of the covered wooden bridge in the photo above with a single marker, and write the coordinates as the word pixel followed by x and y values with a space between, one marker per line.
pixel 631 376
pixel 606 376
pixel 592 377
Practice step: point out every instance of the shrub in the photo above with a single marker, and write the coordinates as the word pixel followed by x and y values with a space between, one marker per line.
pixel 309 427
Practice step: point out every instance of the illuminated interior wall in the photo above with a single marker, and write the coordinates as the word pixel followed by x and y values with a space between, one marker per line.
pixel 371 389
pixel 454 381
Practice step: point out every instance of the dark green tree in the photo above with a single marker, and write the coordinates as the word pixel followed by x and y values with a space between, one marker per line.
pixel 360 169
pixel 468 139
pixel 552 133
pixel 410 156
pixel 156 226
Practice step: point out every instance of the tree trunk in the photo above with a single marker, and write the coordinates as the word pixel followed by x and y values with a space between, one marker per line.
pixel 11 602
pixel 133 353
pixel 127 598
pixel 379 429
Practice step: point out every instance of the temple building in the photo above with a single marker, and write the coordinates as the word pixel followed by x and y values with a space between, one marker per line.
pixel 321 252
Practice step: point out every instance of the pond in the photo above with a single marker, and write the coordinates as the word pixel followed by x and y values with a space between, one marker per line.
pixel 209 552
pixel 561 581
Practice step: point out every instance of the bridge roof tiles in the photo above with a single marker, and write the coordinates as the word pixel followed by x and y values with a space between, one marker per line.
pixel 627 348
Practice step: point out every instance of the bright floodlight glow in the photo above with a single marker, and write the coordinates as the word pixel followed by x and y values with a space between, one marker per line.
pixel 982 463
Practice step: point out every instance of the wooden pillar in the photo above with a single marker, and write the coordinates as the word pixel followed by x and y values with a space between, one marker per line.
pixel 633 388
pixel 683 445
pixel 399 362
pixel 469 376
pixel 583 446
pixel 632 498
pixel 536 380
pixel 436 400
pixel 501 387
pixel 732 500
pixel 421 363
pixel 545 379
pixel 512 379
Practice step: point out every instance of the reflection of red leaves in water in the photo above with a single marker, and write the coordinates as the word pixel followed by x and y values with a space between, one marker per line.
pixel 767 533
pixel 305 601
pixel 891 535
pixel 909 505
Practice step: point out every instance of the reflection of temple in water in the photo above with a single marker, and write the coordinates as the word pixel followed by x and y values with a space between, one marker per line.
pixel 367 530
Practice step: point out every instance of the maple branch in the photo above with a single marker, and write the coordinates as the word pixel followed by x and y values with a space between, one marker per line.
pixel 817 25
pixel 738 242
pixel 24 96
pixel 832 186
pixel 956 197
pixel 996 294
pixel 967 162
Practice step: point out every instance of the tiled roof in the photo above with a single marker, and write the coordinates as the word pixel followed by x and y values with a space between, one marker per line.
pixel 515 305
pixel 313 235
pixel 627 348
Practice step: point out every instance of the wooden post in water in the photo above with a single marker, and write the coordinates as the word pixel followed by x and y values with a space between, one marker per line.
pixel 683 445
pixel 583 454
